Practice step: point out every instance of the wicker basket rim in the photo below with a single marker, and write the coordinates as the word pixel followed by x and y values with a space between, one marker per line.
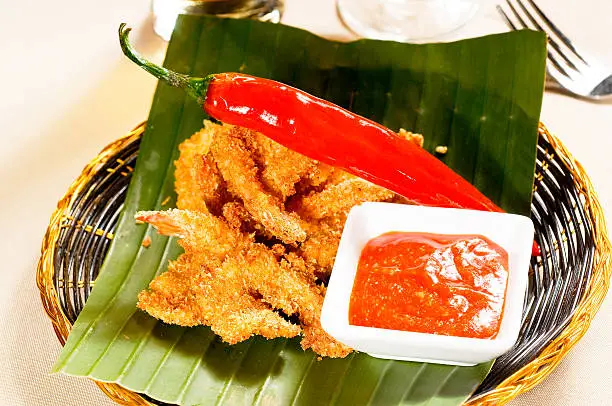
pixel 521 381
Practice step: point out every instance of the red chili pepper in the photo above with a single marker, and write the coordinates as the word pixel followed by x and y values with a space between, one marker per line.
pixel 335 136
pixel 325 132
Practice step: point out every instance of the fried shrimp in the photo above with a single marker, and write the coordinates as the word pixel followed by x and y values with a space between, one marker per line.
pixel 260 226
pixel 282 167
pixel 232 150
pixel 221 283
pixel 198 184
pixel 187 295
pixel 340 197
pixel 198 231
pixel 319 249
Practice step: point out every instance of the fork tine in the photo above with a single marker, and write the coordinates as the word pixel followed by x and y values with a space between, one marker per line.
pixel 556 30
pixel 517 15
pixel 507 20
pixel 551 40
pixel 551 57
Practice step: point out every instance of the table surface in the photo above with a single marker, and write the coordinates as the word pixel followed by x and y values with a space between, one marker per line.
pixel 67 91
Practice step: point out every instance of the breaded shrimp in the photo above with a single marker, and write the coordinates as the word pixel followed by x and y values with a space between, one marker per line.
pixel 282 167
pixel 198 184
pixel 238 267
pixel 319 249
pixel 231 149
pixel 340 197
pixel 260 226
pixel 187 295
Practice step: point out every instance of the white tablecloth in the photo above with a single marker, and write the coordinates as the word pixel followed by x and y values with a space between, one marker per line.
pixel 66 91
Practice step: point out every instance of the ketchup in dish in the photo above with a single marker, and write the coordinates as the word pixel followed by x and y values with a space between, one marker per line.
pixel 431 283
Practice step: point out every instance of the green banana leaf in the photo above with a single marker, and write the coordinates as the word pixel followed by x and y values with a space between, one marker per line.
pixel 480 97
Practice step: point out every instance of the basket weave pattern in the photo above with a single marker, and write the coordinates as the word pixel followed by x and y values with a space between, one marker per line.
pixel 579 227
pixel 595 290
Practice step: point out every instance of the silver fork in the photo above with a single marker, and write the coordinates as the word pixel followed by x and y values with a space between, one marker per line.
pixel 574 71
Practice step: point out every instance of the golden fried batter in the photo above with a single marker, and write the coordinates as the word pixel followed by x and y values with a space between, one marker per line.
pixel 319 249
pixel 225 254
pixel 340 197
pixel 412 137
pixel 198 184
pixel 187 295
pixel 239 218
pixel 282 167
pixel 260 226
pixel 232 150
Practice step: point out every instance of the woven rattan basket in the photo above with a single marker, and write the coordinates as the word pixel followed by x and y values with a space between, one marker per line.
pixel 568 281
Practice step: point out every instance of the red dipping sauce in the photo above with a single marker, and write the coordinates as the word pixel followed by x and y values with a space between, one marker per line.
pixel 431 283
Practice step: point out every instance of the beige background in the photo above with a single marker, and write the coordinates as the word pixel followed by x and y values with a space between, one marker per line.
pixel 66 91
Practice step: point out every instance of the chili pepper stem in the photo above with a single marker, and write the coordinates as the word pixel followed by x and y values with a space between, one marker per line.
pixel 195 87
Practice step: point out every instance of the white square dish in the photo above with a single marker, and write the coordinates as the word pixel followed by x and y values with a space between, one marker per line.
pixel 512 232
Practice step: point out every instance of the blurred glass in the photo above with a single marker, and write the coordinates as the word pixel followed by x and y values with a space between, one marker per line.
pixel 405 20
pixel 166 11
